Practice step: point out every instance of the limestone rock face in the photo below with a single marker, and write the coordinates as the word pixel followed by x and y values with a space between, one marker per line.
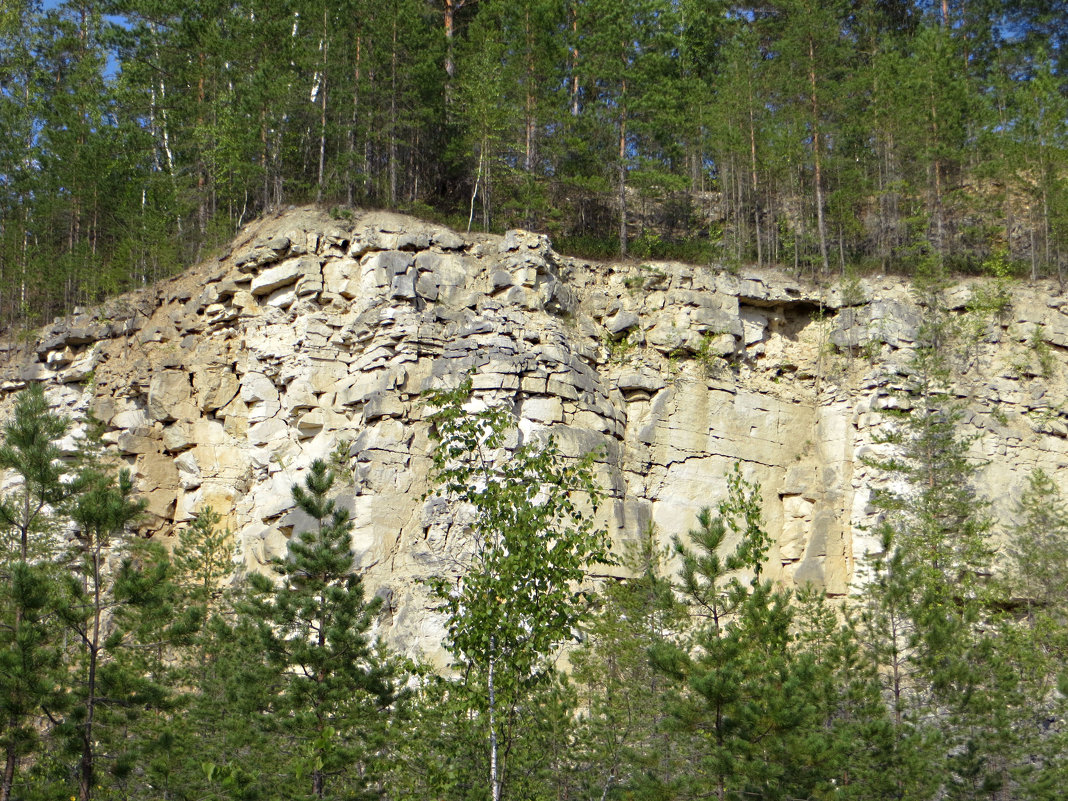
pixel 311 337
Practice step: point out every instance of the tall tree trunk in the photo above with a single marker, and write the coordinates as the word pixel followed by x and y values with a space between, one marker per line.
pixel 487 195
pixel 573 55
pixel 265 159
pixel 495 775
pixel 30 512
pixel 202 179
pixel 322 108
pixel 623 170
pixel 10 760
pixel 86 764
pixel 753 172
pixel 937 167
pixel 528 160
pixel 1045 219
pixel 164 127
pixel 451 7
pixel 393 118
pixel 351 133
pixel 478 181
pixel 817 161
pixel 321 624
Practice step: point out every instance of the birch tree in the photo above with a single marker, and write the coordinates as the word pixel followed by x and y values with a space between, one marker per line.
pixel 519 597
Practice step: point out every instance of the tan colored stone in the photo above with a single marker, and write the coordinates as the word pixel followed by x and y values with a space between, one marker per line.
pixel 311 423
pixel 543 410
pixel 178 437
pixel 243 391
pixel 168 395
pixel 214 388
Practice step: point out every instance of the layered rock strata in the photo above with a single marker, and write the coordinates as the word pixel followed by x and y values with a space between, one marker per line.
pixel 314 336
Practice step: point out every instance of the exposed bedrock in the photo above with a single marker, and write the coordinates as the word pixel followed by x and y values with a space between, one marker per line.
pixel 313 336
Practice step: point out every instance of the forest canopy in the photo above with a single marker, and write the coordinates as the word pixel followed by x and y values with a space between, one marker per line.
pixel 819 136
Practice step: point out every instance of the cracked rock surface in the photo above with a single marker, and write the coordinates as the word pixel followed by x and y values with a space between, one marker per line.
pixel 313 336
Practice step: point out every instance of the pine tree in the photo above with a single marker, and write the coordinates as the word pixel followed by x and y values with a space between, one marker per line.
pixel 933 607
pixel 203 557
pixel 1041 136
pixel 96 592
pixel 622 742
pixel 749 717
pixel 30 649
pixel 810 58
pixel 215 744
pixel 333 687
pixel 1037 643
pixel 181 627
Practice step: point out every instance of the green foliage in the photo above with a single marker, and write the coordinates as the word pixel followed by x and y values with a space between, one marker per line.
pixel 124 673
pixel 587 246
pixel 1042 352
pixel 440 747
pixel 31 675
pixel 136 136
pixel 993 299
pixel 932 607
pixel 519 598
pixel 748 717
pixel 203 557
pixel 648 277
pixel 332 689
pixel 708 357
pixel 709 579
pixel 29 450
pixel 100 605
pixel 1039 543
pixel 619 349
pixel 532 539
pixel 938 520
pixel 622 742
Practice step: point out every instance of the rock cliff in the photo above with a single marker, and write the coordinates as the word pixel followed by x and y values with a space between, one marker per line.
pixel 311 334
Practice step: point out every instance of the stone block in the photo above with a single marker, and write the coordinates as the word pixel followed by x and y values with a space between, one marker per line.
pixel 137 443
pixel 258 388
pixel 390 262
pixel 285 274
pixel 645 381
pixel 402 287
pixel 380 404
pixel 189 475
pixel 214 388
pixel 282 298
pixel 269 431
pixel 426 287
pixel 168 392
pixel 413 240
pixel 621 322
pixel 178 437
pixel 542 410
pixel 501 279
pixel 754 324
pixel 131 418
pixel 311 423
pixel 448 240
